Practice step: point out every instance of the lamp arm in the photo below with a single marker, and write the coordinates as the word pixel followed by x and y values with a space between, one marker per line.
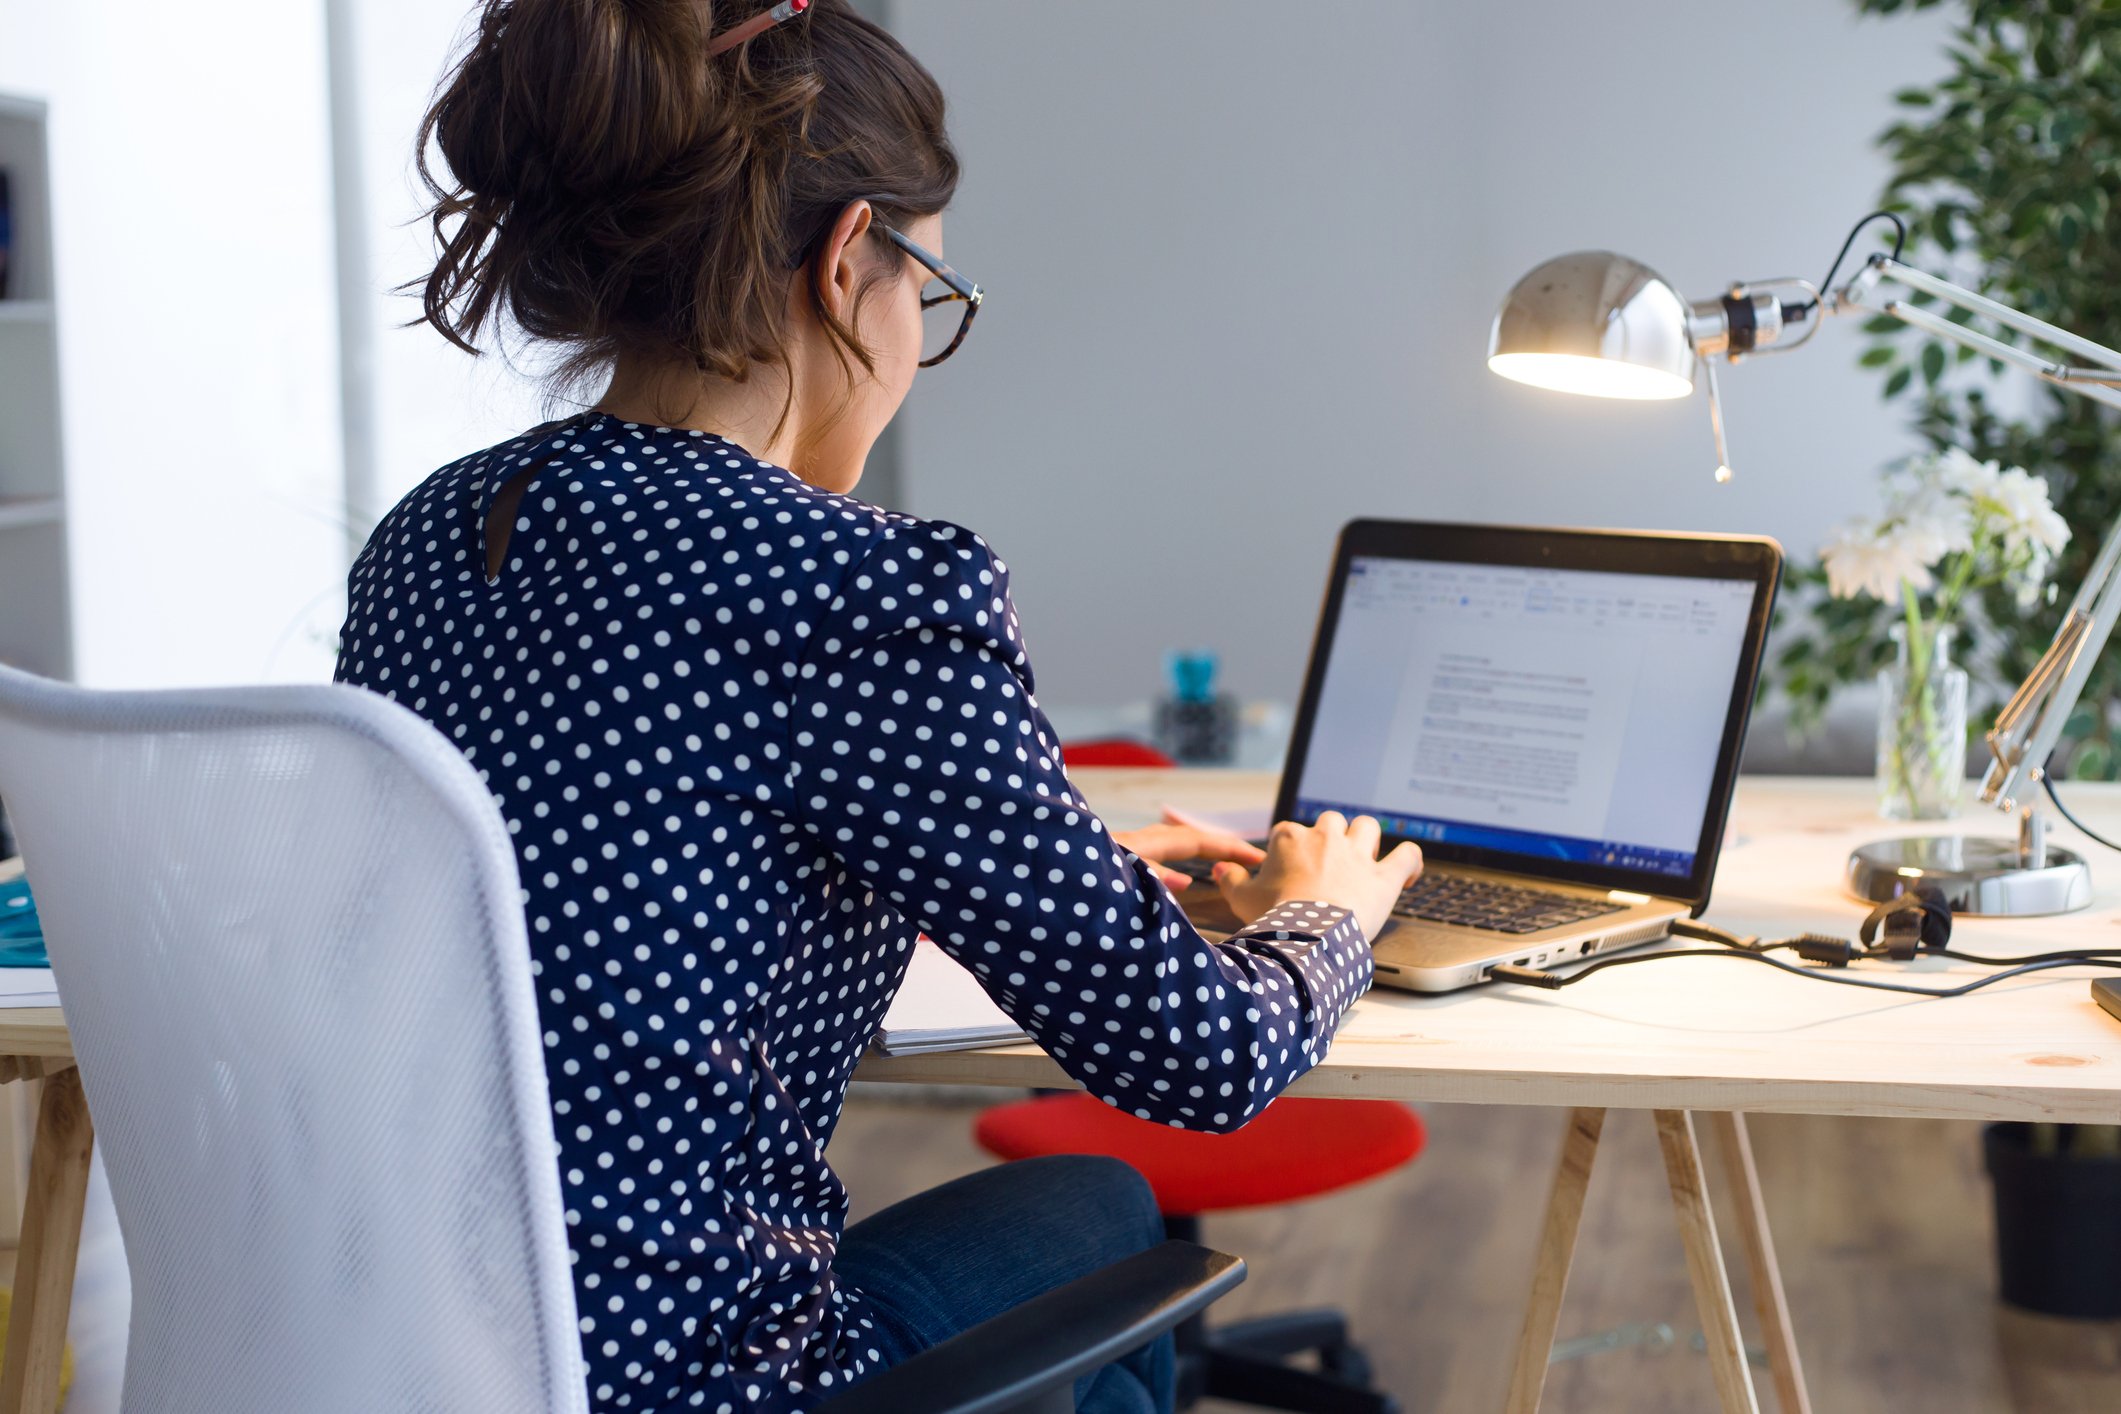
pixel 1864 291
pixel 2030 726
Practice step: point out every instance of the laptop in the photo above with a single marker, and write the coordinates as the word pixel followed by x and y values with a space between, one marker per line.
pixel 1554 716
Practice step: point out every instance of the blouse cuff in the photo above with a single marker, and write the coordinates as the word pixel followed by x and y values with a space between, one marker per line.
pixel 1323 947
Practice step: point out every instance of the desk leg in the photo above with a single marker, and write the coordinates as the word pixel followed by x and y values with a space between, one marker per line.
pixel 1704 1262
pixel 1736 1148
pixel 1557 1250
pixel 51 1238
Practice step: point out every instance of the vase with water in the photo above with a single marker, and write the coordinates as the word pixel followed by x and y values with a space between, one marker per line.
pixel 1921 726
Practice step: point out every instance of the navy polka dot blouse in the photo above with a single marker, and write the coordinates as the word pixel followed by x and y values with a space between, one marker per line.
pixel 749 738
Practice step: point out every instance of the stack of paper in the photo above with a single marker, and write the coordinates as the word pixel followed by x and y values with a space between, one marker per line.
pixel 941 1007
pixel 23 986
pixel 27 986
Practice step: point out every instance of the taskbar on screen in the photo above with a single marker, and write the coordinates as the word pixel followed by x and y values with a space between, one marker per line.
pixel 1612 854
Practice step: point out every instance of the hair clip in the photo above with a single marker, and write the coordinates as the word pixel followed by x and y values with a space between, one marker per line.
pixel 755 26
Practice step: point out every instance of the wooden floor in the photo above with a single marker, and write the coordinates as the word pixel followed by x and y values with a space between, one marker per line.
pixel 1882 1226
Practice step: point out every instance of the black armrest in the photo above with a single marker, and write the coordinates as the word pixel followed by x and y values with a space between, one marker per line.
pixel 1035 1351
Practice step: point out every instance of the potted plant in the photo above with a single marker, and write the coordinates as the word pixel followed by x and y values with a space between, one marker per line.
pixel 2008 172
pixel 1953 528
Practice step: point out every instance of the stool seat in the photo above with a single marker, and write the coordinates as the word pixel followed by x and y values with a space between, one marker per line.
pixel 1295 1148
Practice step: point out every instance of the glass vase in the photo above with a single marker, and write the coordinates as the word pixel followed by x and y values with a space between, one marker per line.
pixel 1921 727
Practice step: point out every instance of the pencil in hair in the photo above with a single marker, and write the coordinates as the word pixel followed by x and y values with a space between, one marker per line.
pixel 758 24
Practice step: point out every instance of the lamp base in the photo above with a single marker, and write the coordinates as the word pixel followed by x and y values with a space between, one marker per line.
pixel 1978 876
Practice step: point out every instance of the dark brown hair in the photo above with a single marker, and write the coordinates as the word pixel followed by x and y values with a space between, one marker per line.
pixel 611 189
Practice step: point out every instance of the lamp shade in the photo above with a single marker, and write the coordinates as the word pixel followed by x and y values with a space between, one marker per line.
pixel 1598 323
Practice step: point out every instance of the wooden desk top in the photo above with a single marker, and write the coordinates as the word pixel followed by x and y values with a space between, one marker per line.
pixel 1708 1035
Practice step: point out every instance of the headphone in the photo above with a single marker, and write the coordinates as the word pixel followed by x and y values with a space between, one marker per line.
pixel 1918 921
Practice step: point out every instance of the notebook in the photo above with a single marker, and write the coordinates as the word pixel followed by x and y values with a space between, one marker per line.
pixel 941 1007
pixel 24 979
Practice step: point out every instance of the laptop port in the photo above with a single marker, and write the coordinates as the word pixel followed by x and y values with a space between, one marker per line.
pixel 1522 962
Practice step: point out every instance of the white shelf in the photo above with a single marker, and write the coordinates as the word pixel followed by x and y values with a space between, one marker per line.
pixel 36 629
pixel 31 510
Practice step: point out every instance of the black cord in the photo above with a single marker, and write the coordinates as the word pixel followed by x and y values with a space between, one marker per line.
pixel 2069 955
pixel 1831 950
pixel 1533 977
pixel 1899 243
pixel 1710 933
pixel 2047 783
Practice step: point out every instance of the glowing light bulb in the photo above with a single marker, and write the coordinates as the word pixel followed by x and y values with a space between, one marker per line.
pixel 1723 475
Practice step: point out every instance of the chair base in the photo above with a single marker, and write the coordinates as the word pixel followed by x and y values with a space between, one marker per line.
pixel 1247 1362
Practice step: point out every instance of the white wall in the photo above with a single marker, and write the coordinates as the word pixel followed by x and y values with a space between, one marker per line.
pixel 193 260
pixel 1242 263
pixel 432 402
pixel 1241 281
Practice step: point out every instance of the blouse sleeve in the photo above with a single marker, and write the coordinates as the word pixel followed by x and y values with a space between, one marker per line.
pixel 918 754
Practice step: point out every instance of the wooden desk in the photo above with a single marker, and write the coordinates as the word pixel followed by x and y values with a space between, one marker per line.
pixel 1699 1043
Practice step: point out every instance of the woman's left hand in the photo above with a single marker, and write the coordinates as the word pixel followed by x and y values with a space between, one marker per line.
pixel 1175 840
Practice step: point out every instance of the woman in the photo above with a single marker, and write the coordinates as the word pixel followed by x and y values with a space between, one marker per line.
pixel 751 734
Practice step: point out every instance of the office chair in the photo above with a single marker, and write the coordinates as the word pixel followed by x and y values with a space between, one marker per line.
pixel 1295 1148
pixel 287 926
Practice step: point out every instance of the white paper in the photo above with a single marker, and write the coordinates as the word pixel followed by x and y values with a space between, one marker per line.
pixel 27 986
pixel 1245 824
pixel 941 1007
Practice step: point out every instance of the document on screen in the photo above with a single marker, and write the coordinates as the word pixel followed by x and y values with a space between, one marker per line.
pixel 1518 731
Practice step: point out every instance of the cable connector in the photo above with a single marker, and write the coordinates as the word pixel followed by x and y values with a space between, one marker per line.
pixel 1526 976
pixel 1818 947
pixel 1709 933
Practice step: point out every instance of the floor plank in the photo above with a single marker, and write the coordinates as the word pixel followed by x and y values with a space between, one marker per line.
pixel 1882 1226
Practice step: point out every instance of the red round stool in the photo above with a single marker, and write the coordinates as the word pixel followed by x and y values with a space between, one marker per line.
pixel 1114 751
pixel 1295 1148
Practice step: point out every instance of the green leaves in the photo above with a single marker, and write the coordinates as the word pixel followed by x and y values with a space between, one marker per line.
pixel 2007 167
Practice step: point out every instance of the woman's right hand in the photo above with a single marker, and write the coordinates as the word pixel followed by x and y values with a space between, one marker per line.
pixel 1334 861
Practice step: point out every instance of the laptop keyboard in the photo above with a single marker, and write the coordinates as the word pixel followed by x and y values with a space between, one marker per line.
pixel 1495 908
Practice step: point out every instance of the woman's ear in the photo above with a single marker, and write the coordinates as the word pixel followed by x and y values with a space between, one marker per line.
pixel 837 279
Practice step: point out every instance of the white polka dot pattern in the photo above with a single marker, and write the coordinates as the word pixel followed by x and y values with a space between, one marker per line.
pixel 748 737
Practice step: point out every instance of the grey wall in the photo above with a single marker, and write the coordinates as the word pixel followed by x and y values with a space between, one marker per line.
pixel 1242 259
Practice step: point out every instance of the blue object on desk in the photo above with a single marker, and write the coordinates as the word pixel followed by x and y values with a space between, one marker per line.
pixel 21 935
pixel 1193 675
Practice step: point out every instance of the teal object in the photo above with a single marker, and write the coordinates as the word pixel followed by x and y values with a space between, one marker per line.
pixel 21 934
pixel 1193 675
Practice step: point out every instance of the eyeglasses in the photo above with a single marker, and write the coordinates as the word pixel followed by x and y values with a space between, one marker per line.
pixel 943 334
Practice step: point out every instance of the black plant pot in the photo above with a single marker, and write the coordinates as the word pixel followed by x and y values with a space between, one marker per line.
pixel 2058 1226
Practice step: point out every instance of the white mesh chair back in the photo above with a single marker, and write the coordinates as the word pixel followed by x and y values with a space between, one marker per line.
pixel 288 936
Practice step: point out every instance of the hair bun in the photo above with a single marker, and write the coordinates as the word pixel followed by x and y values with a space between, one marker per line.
pixel 580 97
pixel 612 188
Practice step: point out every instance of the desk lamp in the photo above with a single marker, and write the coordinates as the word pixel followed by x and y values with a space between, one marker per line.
pixel 1598 323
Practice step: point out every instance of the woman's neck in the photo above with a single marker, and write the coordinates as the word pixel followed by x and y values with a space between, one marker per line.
pixel 756 414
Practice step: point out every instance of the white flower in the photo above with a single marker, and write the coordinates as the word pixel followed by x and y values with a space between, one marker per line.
pixel 1955 470
pixel 1938 508
pixel 2018 499
pixel 1930 521
pixel 1928 508
pixel 1868 558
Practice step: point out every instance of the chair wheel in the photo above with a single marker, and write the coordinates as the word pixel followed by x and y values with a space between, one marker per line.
pixel 1345 1362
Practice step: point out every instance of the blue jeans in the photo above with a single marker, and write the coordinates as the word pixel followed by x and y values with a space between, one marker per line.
pixel 945 1260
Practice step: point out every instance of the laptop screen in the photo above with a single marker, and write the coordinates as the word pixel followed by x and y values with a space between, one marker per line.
pixel 1526 711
